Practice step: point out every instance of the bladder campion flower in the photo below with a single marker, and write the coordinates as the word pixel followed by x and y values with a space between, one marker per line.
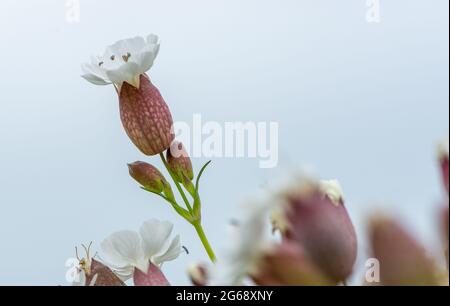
pixel 145 115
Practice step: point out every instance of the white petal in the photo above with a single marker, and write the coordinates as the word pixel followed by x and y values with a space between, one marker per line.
pixel 136 44
pixel 114 68
pixel 80 279
pixel 332 189
pixel 152 39
pixel 128 72
pixel 124 249
pixel 124 272
pixel 124 46
pixel 94 79
pixel 93 74
pixel 172 252
pixel 154 234
pixel 144 61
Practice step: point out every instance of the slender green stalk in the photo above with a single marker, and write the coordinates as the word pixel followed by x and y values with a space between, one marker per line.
pixel 194 215
pixel 201 234
pixel 180 190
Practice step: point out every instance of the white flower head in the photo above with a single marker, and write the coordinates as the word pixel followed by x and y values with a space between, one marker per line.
pixel 127 250
pixel 249 241
pixel 332 189
pixel 124 61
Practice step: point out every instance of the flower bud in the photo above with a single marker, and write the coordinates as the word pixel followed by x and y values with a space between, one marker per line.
pixel 198 273
pixel 150 178
pixel 179 162
pixel 146 117
pixel 443 149
pixel 403 262
pixel 287 265
pixel 313 214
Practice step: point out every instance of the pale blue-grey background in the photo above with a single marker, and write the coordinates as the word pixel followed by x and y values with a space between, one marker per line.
pixel 364 103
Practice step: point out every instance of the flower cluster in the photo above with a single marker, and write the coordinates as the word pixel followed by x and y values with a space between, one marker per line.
pixel 403 260
pixel 148 123
pixel 316 245
pixel 318 242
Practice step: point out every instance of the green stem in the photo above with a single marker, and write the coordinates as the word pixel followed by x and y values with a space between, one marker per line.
pixel 201 234
pixel 195 220
pixel 180 190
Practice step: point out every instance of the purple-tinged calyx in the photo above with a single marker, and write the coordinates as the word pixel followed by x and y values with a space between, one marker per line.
pixel 153 277
pixel 95 273
pixel 146 117
pixel 180 165
pixel 179 162
pixel 403 261
pixel 150 178
pixel 443 152
pixel 287 265
pixel 313 214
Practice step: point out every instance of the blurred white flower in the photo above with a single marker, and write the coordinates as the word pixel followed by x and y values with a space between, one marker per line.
pixel 249 241
pixel 123 61
pixel 126 251
pixel 318 244
pixel 332 189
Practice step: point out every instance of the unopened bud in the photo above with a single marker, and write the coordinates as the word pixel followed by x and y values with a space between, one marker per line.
pixel 179 162
pixel 314 215
pixel 287 265
pixel 150 178
pixel 403 261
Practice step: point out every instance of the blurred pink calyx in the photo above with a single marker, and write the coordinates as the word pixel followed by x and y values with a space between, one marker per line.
pixel 127 251
pixel 442 151
pixel 313 214
pixel 124 61
pixel 303 188
pixel 91 272
pixel 403 260
pixel 255 256
pixel 287 265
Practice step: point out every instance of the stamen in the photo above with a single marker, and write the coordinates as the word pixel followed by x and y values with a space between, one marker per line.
pixel 76 253
pixel 100 64
pixel 185 249
pixel 113 57
pixel 126 57
pixel 87 249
